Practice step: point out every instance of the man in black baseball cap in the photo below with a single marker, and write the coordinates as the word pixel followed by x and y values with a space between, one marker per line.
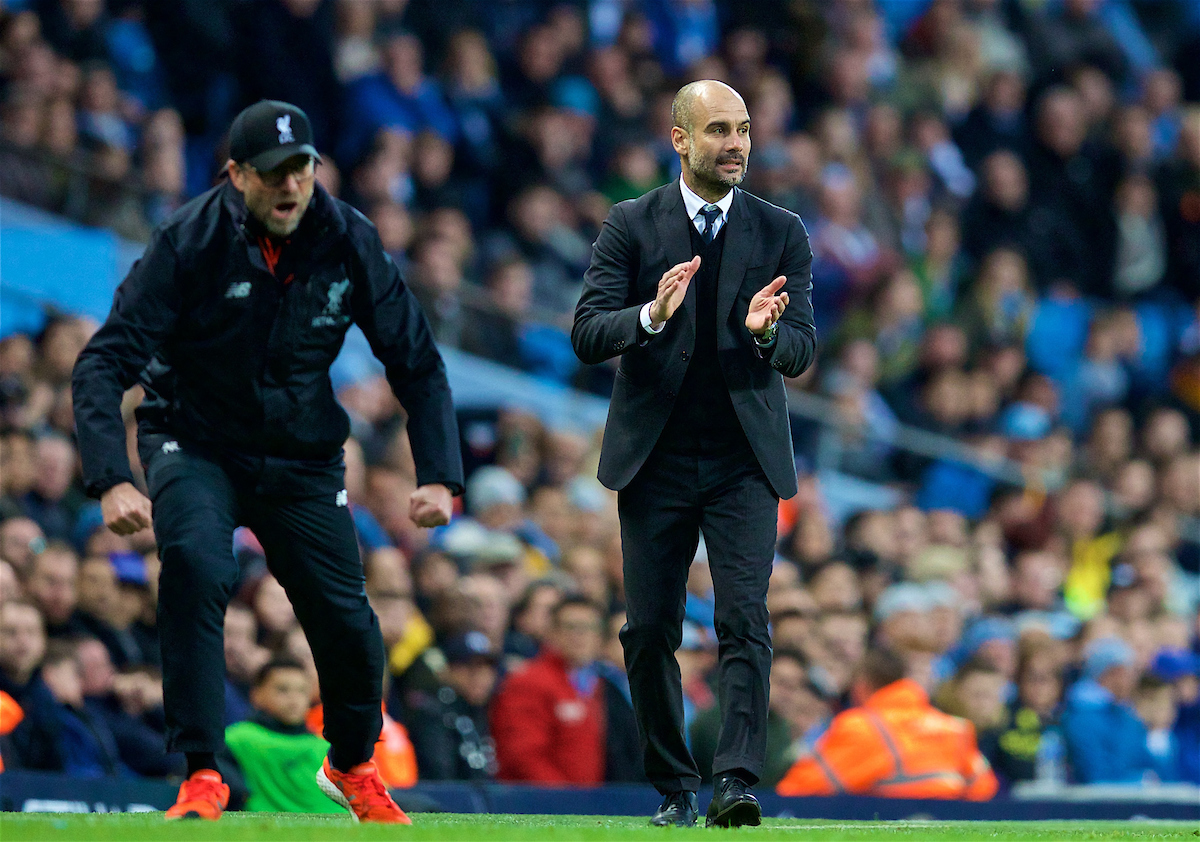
pixel 266 134
pixel 272 160
pixel 230 322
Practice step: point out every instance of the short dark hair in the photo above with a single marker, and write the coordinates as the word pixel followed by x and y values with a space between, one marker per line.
pixel 976 664
pixel 1151 684
pixel 277 663
pixel 881 667
pixel 788 653
pixel 531 590
pixel 577 600
pixel 786 614
pixel 59 651
pixel 682 106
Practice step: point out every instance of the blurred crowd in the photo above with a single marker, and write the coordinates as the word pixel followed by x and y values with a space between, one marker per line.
pixel 1003 198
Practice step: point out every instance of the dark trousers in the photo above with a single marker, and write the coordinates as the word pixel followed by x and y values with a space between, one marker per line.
pixel 674 498
pixel 311 548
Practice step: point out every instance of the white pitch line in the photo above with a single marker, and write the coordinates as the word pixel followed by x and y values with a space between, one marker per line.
pixel 881 825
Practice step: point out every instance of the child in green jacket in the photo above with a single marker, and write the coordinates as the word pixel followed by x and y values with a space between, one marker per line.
pixel 273 758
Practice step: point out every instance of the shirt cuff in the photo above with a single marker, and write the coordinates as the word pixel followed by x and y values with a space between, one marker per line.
pixel 645 319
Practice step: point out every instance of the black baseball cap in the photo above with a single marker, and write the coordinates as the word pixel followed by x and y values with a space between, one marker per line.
pixel 469 646
pixel 269 132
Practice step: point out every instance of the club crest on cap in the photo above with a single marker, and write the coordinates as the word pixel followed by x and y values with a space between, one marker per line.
pixel 284 126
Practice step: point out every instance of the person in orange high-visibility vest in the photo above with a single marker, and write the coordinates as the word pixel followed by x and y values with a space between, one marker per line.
pixel 894 744
pixel 10 717
pixel 394 755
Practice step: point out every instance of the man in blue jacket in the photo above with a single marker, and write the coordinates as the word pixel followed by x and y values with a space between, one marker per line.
pixel 1106 742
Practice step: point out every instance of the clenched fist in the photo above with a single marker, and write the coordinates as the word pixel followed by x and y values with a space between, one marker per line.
pixel 430 505
pixel 125 509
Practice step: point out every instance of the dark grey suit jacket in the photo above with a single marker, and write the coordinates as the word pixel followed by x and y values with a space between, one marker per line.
pixel 640 240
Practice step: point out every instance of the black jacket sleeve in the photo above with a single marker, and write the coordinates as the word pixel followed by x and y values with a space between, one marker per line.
pixel 400 336
pixel 795 345
pixel 144 312
pixel 606 323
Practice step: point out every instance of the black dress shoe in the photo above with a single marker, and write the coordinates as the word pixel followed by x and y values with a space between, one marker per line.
pixel 680 809
pixel 733 804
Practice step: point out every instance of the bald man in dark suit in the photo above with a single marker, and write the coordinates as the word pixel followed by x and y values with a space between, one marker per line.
pixel 706 292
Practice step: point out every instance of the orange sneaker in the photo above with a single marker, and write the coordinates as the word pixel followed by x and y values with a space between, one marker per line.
pixel 361 791
pixel 202 796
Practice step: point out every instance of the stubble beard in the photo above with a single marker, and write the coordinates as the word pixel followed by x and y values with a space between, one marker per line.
pixel 262 212
pixel 704 170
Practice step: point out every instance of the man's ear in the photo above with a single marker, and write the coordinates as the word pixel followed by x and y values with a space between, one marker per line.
pixel 679 140
pixel 236 176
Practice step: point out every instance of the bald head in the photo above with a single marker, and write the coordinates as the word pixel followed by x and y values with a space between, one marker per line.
pixel 710 91
pixel 711 135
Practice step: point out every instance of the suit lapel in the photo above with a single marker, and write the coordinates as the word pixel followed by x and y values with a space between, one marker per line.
pixel 672 225
pixel 735 258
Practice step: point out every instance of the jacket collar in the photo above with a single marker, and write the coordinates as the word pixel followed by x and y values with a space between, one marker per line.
pixel 322 226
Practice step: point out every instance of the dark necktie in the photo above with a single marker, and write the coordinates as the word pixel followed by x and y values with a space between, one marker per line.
pixel 711 214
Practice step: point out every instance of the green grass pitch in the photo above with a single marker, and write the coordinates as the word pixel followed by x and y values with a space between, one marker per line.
pixel 443 827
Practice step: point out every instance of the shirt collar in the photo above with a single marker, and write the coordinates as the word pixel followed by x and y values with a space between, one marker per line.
pixel 694 203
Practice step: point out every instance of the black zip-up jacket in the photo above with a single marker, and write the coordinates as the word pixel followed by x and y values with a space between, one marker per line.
pixel 236 360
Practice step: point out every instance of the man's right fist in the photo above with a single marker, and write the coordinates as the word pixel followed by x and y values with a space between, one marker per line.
pixel 125 509
pixel 672 287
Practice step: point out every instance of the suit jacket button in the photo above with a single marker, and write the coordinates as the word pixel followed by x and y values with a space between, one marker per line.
pixel 670 393
pixel 685 356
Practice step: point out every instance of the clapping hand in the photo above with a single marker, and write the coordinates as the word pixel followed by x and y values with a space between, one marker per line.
pixel 766 307
pixel 672 287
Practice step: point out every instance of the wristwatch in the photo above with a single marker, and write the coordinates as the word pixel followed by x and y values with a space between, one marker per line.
pixel 768 336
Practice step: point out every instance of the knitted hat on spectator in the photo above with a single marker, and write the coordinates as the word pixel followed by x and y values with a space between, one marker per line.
pixel 1104 654
pixel 492 485
pixel 587 494
pixel 896 599
pixel 942 594
pixel 475 545
pixel 984 630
